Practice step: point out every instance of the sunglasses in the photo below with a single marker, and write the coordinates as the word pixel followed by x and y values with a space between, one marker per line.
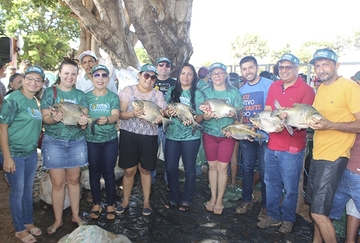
pixel 166 65
pixel 147 76
pixel 98 75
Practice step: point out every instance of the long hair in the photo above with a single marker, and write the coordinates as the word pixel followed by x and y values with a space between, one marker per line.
pixel 176 92
pixel 66 60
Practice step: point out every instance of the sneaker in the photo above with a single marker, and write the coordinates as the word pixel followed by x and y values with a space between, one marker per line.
pixel 244 207
pixel 268 221
pixel 262 214
pixel 286 227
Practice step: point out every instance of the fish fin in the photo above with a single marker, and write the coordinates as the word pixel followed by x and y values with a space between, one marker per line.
pixel 289 129
pixel 195 127
pixel 239 114
pixel 166 122
pixel 92 125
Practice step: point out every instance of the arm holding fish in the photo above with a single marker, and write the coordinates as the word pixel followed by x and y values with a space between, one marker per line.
pixel 9 165
pixel 125 115
pixel 322 123
pixel 83 119
pixel 51 116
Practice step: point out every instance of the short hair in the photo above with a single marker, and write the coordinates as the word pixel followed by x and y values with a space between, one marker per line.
pixel 248 59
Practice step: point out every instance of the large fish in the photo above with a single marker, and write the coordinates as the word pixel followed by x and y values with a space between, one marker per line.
pixel 71 114
pixel 264 121
pixel 185 113
pixel 241 132
pixel 151 112
pixel 299 115
pixel 220 108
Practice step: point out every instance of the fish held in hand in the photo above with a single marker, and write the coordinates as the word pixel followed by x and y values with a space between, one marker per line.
pixel 151 112
pixel 220 108
pixel 185 113
pixel 71 114
pixel 267 123
pixel 299 115
pixel 242 132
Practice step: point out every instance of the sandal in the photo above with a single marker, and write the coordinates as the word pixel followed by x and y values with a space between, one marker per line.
pixel 218 210
pixel 94 214
pixel 80 223
pixel 209 207
pixel 110 214
pixel 184 208
pixel 168 205
pixel 52 229
pixel 27 239
pixel 32 229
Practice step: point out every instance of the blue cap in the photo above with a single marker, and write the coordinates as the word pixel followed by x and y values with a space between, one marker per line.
pixel 290 57
pixel 324 54
pixel 163 59
pixel 35 69
pixel 99 67
pixel 217 65
pixel 148 68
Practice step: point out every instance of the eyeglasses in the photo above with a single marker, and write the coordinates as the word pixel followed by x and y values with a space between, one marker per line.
pixel 287 68
pixel 147 76
pixel 166 65
pixel 29 79
pixel 217 74
pixel 99 75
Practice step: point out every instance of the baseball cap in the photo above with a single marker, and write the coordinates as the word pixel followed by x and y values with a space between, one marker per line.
pixel 148 68
pixel 203 71
pixel 163 59
pixel 357 76
pixel 99 67
pixel 324 54
pixel 217 65
pixel 35 69
pixel 290 57
pixel 87 53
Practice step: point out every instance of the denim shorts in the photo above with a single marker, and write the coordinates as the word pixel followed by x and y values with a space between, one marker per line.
pixel 63 154
pixel 348 188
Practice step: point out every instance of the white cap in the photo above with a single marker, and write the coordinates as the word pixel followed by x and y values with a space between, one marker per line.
pixel 87 53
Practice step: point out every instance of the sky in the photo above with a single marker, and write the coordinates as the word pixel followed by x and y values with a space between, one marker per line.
pixel 215 24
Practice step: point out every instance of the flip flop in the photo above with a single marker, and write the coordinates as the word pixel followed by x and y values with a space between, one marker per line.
pixel 34 230
pixel 218 210
pixel 168 205
pixel 94 214
pixel 184 208
pixel 27 239
pixel 52 229
pixel 209 207
pixel 110 214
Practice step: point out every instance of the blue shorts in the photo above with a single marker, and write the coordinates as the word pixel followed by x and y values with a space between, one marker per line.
pixel 348 188
pixel 63 154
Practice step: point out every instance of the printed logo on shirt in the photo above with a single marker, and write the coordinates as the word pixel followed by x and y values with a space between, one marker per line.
pixel 253 103
pixel 35 113
pixel 185 101
pixel 100 107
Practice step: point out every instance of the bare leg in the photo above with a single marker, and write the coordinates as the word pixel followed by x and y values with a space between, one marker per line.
pixel 234 163
pixel 325 227
pixel 72 178
pixel 221 183
pixel 146 185
pixel 58 179
pixel 127 183
pixel 213 177
pixel 317 235
pixel 352 226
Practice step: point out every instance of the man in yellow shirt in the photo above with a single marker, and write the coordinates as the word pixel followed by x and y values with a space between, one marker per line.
pixel 337 100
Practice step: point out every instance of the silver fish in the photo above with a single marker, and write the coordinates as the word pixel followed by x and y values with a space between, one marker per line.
pixel 220 108
pixel 186 113
pixel 242 131
pixel 71 114
pixel 151 112
pixel 299 115
pixel 264 121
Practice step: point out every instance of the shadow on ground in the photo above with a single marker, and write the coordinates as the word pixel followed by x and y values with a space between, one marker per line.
pixel 174 226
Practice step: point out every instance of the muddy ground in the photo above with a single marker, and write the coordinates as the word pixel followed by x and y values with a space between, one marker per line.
pixel 163 226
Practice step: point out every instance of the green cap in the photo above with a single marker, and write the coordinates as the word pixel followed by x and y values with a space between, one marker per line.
pixel 35 69
pixel 99 67
pixel 148 68
pixel 217 65
pixel 324 54
pixel 290 57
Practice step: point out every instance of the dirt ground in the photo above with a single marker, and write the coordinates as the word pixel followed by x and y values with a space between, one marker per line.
pixel 163 226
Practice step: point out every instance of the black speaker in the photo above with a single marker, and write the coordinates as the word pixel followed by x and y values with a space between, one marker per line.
pixel 5 49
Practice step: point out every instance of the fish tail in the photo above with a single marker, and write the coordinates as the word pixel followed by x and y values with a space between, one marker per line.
pixel 166 122
pixel 92 125
pixel 239 114
pixel 195 127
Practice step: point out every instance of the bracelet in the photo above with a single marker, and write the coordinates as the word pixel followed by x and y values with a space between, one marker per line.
pixel 107 120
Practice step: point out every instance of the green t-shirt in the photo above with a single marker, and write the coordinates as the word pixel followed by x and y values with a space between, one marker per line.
pixel 177 131
pixel 202 84
pixel 101 106
pixel 60 130
pixel 24 120
pixel 213 126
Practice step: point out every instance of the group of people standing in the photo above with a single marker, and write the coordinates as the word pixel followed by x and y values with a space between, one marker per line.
pixel 66 149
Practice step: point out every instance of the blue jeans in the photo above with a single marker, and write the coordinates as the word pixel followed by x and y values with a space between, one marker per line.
pixel 188 150
pixel 348 188
pixel 162 140
pixel 252 152
pixel 282 170
pixel 21 187
pixel 102 160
